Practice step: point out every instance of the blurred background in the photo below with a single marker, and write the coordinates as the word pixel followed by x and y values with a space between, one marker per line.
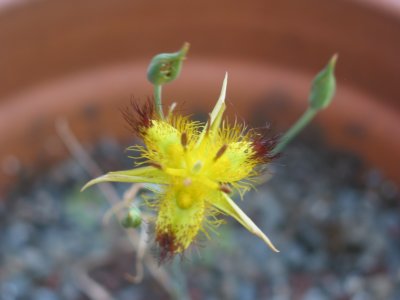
pixel 331 207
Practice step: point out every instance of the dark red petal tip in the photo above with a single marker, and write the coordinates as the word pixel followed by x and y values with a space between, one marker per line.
pixel 169 246
pixel 139 115
pixel 263 146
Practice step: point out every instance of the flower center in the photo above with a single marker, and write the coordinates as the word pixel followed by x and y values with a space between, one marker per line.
pixel 184 200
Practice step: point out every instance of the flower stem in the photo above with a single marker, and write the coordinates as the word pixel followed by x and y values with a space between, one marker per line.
pixel 321 95
pixel 307 116
pixel 157 100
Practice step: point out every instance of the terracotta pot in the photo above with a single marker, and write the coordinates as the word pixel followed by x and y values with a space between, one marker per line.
pixel 83 60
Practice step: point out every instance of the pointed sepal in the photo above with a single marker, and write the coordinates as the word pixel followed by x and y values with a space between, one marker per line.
pixel 216 115
pixel 229 207
pixel 138 175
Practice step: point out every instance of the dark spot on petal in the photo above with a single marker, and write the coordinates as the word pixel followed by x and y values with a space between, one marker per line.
pixel 184 140
pixel 155 165
pixel 221 151
pixel 225 188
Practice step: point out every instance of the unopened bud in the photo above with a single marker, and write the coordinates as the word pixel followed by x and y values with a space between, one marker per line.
pixel 132 219
pixel 323 86
pixel 165 67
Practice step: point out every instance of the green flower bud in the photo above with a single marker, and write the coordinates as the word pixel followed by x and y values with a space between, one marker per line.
pixel 165 67
pixel 132 219
pixel 323 86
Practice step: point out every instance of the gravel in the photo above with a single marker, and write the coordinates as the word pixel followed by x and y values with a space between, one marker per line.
pixel 336 223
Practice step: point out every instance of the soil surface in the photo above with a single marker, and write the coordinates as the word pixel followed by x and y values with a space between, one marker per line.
pixel 336 223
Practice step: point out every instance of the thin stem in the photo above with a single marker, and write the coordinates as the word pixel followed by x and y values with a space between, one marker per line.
pixel 295 129
pixel 157 100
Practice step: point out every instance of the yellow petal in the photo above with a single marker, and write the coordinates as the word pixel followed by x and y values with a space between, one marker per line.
pixel 180 217
pixel 229 207
pixel 145 174
pixel 235 164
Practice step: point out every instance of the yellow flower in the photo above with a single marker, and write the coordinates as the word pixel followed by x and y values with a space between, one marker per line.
pixel 197 166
